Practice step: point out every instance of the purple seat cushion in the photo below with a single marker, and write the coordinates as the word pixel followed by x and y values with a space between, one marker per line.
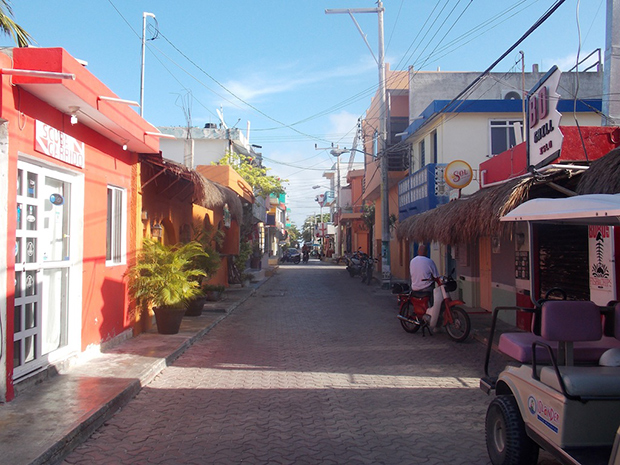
pixel 566 320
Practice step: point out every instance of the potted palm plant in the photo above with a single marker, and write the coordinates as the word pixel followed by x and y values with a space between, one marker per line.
pixel 164 278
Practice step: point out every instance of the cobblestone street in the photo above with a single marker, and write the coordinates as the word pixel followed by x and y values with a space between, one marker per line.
pixel 313 369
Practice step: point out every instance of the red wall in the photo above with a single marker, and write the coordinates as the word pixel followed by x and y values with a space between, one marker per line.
pixel 598 141
pixel 104 303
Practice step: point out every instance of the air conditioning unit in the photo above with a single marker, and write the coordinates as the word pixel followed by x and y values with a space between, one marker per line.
pixel 511 94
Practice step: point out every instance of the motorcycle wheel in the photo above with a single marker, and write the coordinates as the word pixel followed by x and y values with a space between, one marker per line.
pixel 459 329
pixel 406 310
pixel 296 260
pixel 369 276
pixel 352 272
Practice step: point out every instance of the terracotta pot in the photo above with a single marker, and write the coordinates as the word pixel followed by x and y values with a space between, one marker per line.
pixel 169 318
pixel 194 308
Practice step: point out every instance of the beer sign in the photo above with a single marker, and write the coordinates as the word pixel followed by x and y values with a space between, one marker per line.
pixel 544 138
pixel 458 174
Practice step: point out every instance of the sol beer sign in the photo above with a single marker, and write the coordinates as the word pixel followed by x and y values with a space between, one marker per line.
pixel 56 144
pixel 458 174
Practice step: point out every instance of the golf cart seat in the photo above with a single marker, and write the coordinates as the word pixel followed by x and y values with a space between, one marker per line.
pixel 588 344
pixel 566 325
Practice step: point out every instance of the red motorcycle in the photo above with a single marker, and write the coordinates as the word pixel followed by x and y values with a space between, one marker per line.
pixel 415 312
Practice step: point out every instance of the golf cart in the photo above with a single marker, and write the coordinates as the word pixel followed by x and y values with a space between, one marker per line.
pixel 562 393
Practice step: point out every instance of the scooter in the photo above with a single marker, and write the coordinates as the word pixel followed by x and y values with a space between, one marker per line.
pixel 415 311
pixel 306 256
pixel 356 263
pixel 289 256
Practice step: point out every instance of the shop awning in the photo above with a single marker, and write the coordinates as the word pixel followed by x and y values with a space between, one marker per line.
pixel 583 209
pixel 94 104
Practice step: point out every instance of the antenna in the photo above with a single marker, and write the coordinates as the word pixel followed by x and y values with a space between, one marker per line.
pixel 220 114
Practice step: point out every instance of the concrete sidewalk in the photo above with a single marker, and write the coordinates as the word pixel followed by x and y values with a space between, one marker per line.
pixel 48 420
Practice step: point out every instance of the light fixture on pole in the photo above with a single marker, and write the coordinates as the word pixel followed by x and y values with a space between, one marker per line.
pixel 73 112
pixel 144 16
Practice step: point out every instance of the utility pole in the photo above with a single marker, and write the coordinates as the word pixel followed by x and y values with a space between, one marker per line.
pixel 382 142
pixel 144 16
pixel 611 87
pixel 336 152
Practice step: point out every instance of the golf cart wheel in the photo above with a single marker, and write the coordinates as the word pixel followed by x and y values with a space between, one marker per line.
pixel 406 310
pixel 507 441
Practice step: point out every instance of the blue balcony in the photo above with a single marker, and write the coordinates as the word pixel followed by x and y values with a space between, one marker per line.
pixel 421 191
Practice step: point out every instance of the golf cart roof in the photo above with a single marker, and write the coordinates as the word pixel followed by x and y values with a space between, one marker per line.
pixel 581 209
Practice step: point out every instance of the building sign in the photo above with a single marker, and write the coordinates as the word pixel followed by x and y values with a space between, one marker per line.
pixel 56 144
pixel 600 244
pixel 544 138
pixel 321 230
pixel 458 174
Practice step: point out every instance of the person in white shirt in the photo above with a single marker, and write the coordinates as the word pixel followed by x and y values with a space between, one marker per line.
pixel 422 268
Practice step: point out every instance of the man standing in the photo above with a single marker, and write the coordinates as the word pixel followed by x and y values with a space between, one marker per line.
pixel 421 269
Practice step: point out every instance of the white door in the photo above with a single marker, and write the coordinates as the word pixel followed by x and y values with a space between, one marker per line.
pixel 42 266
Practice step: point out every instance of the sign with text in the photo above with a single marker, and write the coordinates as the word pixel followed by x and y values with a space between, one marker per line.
pixel 544 138
pixel 56 144
pixel 458 174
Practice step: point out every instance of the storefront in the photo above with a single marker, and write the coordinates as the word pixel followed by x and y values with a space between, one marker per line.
pixel 70 167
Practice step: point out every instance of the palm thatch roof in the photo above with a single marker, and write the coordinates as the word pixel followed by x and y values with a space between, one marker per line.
pixel 603 176
pixel 233 201
pixel 197 188
pixel 464 220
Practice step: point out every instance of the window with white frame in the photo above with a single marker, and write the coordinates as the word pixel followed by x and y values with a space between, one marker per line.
pixel 502 135
pixel 116 226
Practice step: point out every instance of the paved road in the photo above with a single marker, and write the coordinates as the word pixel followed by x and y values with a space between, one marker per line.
pixel 314 369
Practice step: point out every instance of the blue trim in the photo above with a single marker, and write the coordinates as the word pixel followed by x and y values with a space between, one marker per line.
pixel 496 106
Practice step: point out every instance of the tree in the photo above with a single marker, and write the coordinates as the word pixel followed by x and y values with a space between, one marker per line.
pixel 10 27
pixel 293 235
pixel 254 173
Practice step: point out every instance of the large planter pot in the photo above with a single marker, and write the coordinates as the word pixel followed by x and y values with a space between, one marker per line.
pixel 169 318
pixel 195 306
pixel 213 296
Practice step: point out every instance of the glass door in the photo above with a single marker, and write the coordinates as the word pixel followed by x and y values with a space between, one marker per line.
pixel 42 266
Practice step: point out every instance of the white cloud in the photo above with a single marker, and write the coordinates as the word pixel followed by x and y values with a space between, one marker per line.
pixel 288 78
pixel 568 62
pixel 344 123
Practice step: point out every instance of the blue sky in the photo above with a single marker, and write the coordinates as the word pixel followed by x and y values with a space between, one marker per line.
pixel 300 77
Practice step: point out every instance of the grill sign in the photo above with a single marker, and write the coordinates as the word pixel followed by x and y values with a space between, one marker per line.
pixel 544 135
pixel 56 144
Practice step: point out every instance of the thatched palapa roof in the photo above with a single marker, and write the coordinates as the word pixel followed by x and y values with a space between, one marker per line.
pixel 465 219
pixel 603 175
pixel 206 193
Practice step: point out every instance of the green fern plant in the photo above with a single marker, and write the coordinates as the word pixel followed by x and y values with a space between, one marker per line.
pixel 165 275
